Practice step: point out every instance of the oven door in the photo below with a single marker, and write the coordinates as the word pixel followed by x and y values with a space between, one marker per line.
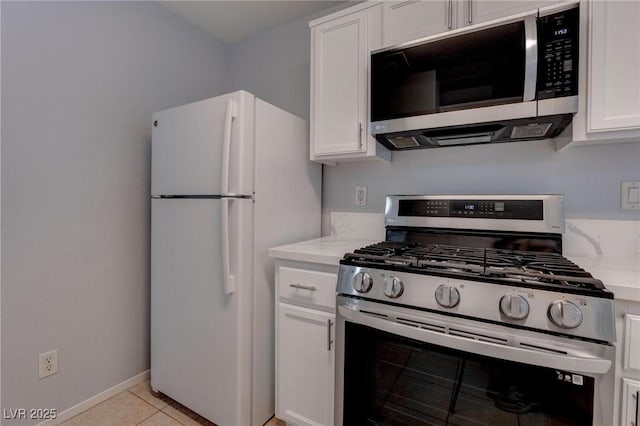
pixel 400 366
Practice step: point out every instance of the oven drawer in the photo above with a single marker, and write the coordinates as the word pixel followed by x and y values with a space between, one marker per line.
pixel 307 287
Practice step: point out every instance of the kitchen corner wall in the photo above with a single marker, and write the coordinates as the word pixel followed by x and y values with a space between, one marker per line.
pixel 80 81
pixel 274 65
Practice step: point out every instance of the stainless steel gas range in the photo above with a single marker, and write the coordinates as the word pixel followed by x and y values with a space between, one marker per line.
pixel 469 314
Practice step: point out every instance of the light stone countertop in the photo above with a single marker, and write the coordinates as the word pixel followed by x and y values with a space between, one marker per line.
pixel 325 250
pixel 619 274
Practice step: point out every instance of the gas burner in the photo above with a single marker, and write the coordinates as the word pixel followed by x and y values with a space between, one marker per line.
pixel 445 258
pixel 537 268
pixel 449 266
pixel 385 248
pixel 400 261
pixel 459 255
pixel 557 267
pixel 540 279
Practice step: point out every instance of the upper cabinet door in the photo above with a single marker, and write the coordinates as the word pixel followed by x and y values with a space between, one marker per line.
pixel 339 78
pixel 409 20
pixel 340 47
pixel 614 66
pixel 471 12
pixel 187 149
pixel 413 19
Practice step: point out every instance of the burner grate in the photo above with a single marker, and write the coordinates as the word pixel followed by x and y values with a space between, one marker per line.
pixel 512 266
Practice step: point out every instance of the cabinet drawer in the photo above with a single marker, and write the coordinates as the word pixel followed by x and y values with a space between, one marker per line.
pixel 307 287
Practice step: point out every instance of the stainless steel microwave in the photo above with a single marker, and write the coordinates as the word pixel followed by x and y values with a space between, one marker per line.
pixel 506 80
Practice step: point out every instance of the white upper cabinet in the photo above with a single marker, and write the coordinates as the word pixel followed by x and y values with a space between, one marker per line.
pixel 614 85
pixel 405 21
pixel 409 20
pixel 609 109
pixel 340 48
pixel 478 11
pixel 339 84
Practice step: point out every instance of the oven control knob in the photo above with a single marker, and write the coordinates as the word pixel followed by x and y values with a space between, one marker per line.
pixel 393 287
pixel 362 282
pixel 447 296
pixel 565 314
pixel 514 306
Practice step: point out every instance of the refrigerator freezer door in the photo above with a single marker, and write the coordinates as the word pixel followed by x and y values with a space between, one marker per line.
pixel 200 335
pixel 188 147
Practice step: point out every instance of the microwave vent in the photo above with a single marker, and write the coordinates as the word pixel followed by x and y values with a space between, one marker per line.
pixel 404 142
pixel 534 130
pixel 521 129
pixel 464 140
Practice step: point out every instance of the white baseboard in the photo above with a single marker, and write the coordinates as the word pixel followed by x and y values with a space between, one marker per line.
pixel 96 399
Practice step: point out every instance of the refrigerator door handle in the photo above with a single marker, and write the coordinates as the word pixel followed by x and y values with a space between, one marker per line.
pixel 227 277
pixel 229 115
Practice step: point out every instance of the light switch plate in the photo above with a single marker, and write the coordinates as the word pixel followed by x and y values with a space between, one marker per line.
pixel 630 195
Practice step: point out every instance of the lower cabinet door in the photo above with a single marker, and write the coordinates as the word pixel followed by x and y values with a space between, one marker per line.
pixel 630 402
pixel 306 366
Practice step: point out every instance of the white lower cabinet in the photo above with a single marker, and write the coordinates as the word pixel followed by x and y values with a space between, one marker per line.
pixel 630 402
pixel 630 412
pixel 305 345
pixel 306 365
pixel 627 366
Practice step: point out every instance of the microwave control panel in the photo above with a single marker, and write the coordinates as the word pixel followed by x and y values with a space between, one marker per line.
pixel 558 54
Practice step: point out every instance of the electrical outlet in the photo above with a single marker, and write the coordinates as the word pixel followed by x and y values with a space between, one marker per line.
pixel 48 363
pixel 361 195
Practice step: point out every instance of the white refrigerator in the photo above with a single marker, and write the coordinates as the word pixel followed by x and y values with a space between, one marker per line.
pixel 230 177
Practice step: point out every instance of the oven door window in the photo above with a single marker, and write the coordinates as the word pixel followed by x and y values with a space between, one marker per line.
pixel 392 380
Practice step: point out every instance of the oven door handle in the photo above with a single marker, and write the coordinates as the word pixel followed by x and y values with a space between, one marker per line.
pixel 577 364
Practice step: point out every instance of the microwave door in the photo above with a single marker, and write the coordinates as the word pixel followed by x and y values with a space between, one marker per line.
pixel 478 76
pixel 491 66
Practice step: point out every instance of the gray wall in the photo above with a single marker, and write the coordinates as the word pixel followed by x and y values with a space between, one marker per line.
pixel 80 81
pixel 588 176
pixel 274 65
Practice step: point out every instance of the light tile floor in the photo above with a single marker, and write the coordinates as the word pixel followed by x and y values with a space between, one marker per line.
pixel 138 406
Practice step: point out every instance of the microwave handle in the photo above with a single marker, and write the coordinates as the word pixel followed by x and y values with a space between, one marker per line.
pixel 531 58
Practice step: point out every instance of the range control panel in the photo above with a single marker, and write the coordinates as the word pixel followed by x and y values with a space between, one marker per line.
pixel 558 54
pixel 485 209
